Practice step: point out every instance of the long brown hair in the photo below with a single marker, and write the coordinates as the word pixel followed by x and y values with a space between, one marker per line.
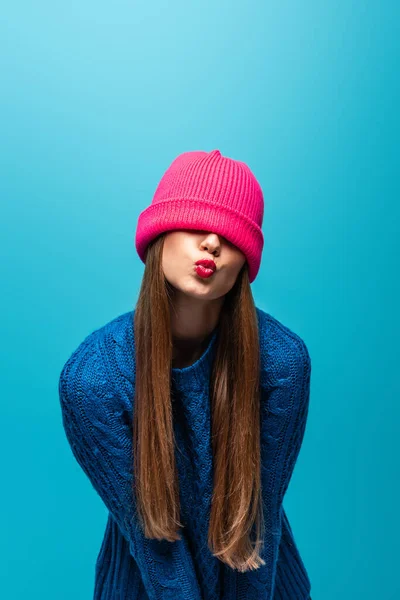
pixel 235 419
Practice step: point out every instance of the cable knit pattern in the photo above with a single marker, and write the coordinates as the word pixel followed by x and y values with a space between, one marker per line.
pixel 96 391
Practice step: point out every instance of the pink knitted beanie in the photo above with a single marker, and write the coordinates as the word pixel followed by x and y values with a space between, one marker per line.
pixel 211 192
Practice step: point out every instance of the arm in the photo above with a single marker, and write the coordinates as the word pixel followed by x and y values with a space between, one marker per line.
pixel 284 410
pixel 101 441
pixel 285 422
pixel 99 438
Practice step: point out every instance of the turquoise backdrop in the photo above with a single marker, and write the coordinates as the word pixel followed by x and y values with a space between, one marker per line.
pixel 96 100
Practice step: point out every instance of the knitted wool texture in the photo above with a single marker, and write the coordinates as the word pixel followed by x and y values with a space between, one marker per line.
pixel 96 391
pixel 207 191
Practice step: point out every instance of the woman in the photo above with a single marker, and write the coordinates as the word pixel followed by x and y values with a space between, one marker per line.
pixel 188 413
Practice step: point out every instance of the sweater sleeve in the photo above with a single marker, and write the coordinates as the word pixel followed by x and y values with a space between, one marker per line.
pixel 99 437
pixel 284 410
pixel 97 421
pixel 287 404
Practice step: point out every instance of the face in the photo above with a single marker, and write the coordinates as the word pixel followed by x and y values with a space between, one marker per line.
pixel 183 247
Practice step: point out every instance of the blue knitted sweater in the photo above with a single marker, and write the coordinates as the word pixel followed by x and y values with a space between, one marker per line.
pixel 96 390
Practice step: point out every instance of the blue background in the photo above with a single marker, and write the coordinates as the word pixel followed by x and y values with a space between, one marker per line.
pixel 97 98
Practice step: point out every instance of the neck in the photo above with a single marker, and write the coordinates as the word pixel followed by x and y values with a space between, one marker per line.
pixel 186 351
pixel 192 320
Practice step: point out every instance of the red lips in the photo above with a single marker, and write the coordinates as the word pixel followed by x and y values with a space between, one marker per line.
pixel 208 264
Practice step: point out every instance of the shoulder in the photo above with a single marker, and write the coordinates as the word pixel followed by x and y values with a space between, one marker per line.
pixel 91 368
pixel 284 354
